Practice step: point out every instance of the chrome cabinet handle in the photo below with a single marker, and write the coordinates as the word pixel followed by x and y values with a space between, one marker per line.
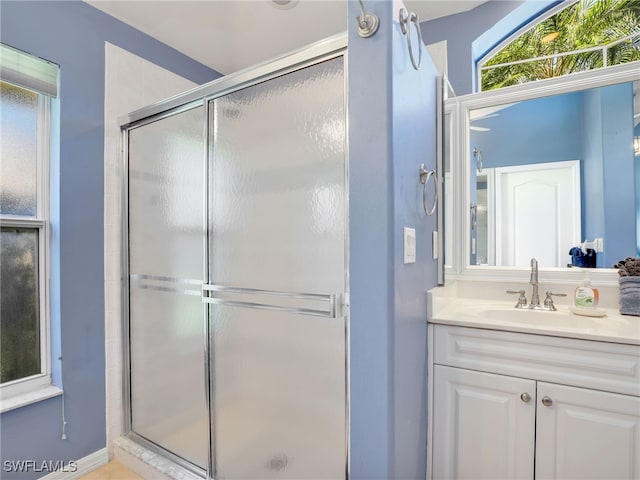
pixel 546 401
pixel 525 397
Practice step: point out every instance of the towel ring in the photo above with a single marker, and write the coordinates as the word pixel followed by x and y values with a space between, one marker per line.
pixel 406 19
pixel 425 175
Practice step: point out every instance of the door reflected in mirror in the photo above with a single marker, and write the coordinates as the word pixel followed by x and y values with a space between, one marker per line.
pixel 555 175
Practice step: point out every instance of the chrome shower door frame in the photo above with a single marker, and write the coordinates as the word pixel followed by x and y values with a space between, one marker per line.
pixel 318 52
pixel 125 128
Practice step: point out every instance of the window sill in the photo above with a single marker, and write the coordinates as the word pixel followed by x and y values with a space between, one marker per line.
pixel 23 399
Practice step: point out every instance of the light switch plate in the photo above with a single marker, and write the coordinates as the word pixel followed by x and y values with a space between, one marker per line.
pixel 409 245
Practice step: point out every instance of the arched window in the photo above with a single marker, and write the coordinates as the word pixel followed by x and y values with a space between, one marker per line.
pixel 585 35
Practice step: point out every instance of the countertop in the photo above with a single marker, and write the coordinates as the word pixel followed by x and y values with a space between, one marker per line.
pixel 468 312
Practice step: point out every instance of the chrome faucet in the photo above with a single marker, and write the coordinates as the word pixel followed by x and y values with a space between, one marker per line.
pixel 535 298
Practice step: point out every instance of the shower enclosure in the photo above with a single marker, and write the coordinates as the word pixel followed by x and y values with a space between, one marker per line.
pixel 236 272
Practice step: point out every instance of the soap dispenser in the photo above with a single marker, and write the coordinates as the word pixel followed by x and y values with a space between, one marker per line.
pixel 585 295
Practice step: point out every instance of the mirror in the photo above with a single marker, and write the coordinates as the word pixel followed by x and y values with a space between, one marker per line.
pixel 551 172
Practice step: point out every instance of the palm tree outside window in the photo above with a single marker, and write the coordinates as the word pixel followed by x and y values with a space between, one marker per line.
pixel 586 35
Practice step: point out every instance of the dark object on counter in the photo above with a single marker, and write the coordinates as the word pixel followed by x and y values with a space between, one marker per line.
pixel 629 267
pixel 581 259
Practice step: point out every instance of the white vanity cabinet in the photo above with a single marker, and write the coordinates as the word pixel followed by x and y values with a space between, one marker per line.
pixel 520 406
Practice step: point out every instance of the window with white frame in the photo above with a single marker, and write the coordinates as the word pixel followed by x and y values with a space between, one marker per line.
pixel 27 86
pixel 572 37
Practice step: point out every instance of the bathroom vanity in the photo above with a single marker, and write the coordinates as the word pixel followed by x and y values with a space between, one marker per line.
pixel 523 393
pixel 531 394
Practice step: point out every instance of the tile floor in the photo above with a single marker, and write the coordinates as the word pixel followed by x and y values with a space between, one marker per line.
pixel 112 471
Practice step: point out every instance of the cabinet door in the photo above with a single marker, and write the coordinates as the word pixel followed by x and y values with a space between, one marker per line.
pixel 586 434
pixel 483 425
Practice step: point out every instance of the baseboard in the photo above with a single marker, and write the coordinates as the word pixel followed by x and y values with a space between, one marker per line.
pixel 83 466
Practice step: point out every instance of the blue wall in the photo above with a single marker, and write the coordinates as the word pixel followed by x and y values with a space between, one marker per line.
pixel 636 133
pixel 72 34
pixel 471 35
pixel 388 139
pixel 542 130
pixel 370 265
pixel 460 31
pixel 592 172
pixel 619 181
pixel 414 142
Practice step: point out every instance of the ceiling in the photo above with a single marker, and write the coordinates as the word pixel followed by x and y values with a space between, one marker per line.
pixel 228 35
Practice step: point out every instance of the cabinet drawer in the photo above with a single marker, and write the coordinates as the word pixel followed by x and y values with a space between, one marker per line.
pixel 604 366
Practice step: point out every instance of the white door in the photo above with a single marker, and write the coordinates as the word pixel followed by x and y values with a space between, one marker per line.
pixel 586 434
pixel 483 425
pixel 538 213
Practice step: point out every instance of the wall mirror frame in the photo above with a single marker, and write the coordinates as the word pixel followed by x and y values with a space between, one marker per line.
pixel 457 174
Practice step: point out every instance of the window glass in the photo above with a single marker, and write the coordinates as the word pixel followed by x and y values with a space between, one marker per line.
pixel 19 329
pixel 18 144
pixel 586 35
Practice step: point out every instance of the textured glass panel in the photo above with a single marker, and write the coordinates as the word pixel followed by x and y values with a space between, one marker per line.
pixel 166 196
pixel 279 181
pixel 19 305
pixel 166 208
pixel 167 372
pixel 18 141
pixel 279 396
pixel 278 204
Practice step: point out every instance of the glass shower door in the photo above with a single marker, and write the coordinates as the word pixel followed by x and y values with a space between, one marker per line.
pixel 278 277
pixel 166 270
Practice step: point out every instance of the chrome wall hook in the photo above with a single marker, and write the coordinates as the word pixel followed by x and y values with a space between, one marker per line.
pixel 368 23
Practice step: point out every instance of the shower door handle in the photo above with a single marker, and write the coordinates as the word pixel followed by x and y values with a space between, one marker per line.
pixel 319 305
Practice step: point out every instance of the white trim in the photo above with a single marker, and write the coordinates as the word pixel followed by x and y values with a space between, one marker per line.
pixel 20 222
pixel 31 389
pixel 28 71
pixel 627 72
pixel 37 393
pixel 461 151
pixel 43 209
pixel 82 467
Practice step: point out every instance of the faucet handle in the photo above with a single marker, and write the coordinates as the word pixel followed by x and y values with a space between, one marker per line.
pixel 522 299
pixel 548 301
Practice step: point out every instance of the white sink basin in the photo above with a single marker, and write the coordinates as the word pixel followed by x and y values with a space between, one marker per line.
pixel 541 318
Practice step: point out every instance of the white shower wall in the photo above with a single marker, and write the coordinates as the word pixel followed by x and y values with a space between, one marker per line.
pixel 131 82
